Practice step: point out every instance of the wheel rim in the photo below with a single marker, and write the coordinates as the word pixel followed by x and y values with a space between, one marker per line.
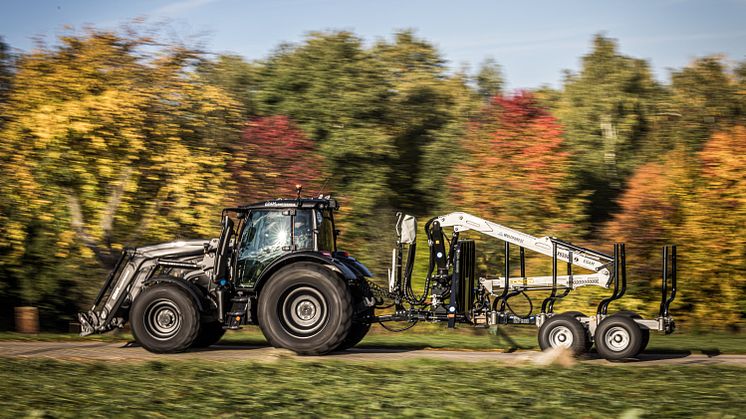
pixel 560 337
pixel 162 319
pixel 617 339
pixel 303 311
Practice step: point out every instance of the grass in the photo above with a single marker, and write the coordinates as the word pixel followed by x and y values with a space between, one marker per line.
pixel 289 388
pixel 467 338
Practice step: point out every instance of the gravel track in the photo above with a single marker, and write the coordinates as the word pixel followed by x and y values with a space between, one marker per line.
pixel 119 352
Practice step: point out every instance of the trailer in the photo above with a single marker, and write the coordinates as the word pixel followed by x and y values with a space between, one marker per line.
pixel 453 294
pixel 276 264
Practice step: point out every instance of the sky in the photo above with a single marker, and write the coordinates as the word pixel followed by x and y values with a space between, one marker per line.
pixel 533 41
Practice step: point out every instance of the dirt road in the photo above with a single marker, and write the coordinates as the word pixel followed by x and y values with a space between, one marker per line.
pixel 106 351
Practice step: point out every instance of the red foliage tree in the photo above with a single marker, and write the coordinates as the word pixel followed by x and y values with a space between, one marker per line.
pixel 516 170
pixel 272 157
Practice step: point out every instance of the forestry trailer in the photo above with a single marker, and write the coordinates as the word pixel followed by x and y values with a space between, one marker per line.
pixel 276 264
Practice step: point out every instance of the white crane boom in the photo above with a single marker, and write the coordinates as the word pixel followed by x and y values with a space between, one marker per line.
pixel 583 258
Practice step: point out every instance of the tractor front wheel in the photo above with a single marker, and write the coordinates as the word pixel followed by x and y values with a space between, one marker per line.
pixel 209 334
pixel 164 319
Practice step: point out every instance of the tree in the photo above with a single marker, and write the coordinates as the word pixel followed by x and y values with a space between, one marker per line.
pixel 715 260
pixel 608 111
pixel 651 215
pixel 272 157
pixel 517 172
pixel 235 76
pixel 706 100
pixel 111 141
pixel 382 117
pixel 6 76
pixel 489 79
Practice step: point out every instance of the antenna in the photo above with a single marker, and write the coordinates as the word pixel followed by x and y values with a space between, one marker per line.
pixel 321 191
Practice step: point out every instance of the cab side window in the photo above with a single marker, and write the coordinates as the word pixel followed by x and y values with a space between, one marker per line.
pixel 303 230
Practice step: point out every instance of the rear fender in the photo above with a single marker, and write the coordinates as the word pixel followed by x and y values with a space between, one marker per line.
pixel 330 263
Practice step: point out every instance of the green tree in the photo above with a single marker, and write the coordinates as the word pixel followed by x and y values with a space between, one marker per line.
pixel 111 141
pixel 489 79
pixel 383 117
pixel 608 110
pixel 6 76
pixel 706 98
pixel 235 76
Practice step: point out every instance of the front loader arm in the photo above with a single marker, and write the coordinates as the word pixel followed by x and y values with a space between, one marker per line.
pixel 132 270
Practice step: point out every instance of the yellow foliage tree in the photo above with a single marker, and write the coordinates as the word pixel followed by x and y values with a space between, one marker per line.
pixel 714 230
pixel 111 140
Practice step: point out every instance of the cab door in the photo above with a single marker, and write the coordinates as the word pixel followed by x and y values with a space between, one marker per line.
pixel 269 234
pixel 264 238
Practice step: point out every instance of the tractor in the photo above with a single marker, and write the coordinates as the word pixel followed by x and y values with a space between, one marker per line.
pixel 276 265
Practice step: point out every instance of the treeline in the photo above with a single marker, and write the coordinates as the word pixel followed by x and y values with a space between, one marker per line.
pixel 114 139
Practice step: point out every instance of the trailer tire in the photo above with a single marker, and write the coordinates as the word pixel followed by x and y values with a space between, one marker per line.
pixel 164 319
pixel 588 339
pixel 358 330
pixel 306 308
pixel 645 332
pixel 563 330
pixel 209 334
pixel 618 337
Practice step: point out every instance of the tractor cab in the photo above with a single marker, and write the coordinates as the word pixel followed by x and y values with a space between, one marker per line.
pixel 265 232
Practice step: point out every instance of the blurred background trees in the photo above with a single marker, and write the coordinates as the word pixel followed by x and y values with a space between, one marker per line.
pixel 114 139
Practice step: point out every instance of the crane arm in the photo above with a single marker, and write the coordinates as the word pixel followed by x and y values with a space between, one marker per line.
pixel 581 257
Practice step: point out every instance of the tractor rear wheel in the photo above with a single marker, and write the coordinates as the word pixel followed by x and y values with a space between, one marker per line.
pixel 164 319
pixel 358 330
pixel 305 308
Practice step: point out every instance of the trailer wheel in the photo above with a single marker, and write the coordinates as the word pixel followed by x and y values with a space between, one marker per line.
pixel 563 331
pixel 164 319
pixel 645 332
pixel 588 340
pixel 305 308
pixel 618 337
pixel 358 330
pixel 209 334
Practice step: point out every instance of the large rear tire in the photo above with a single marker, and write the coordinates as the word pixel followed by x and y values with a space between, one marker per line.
pixel 358 330
pixel 305 308
pixel 565 331
pixel 164 319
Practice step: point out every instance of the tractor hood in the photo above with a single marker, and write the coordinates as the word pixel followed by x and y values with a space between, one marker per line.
pixel 174 249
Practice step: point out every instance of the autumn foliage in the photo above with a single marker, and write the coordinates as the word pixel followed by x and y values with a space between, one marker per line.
pixel 516 170
pixel 272 156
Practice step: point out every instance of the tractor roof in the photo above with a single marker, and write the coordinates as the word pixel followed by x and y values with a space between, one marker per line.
pixel 321 203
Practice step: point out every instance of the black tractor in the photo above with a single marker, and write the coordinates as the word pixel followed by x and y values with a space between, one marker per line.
pixel 275 264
